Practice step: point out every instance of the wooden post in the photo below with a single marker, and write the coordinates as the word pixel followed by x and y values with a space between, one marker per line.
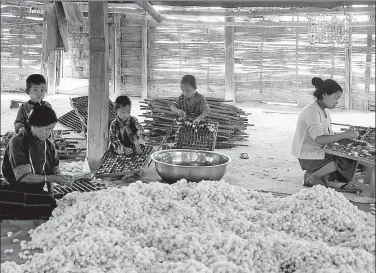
pixel 51 72
pixel 144 59
pixel 348 74
pixel 111 52
pixel 97 132
pixel 229 62
pixel 117 57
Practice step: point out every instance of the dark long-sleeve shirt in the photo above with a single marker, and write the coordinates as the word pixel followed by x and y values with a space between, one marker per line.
pixel 23 114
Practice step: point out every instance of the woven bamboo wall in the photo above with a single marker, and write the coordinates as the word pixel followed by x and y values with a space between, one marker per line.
pixel 76 59
pixel 21 47
pixel 269 63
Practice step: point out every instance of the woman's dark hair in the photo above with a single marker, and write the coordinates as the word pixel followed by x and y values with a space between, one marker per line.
pixel 42 115
pixel 189 79
pixel 324 87
pixel 36 79
pixel 122 101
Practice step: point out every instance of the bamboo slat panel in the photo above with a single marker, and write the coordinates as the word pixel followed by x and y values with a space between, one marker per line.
pixel 21 40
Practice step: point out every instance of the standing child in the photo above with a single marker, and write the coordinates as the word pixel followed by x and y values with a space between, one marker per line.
pixel 190 104
pixel 126 132
pixel 36 88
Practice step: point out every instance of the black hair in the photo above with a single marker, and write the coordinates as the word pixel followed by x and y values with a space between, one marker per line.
pixel 122 101
pixel 189 79
pixel 325 87
pixel 42 115
pixel 36 79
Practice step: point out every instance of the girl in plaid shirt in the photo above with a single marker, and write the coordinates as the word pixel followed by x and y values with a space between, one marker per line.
pixel 190 104
pixel 126 133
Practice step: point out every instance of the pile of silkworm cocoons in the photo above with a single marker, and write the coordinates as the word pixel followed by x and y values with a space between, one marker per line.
pixel 206 227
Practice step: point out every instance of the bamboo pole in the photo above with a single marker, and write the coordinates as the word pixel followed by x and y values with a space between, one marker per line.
pixel 229 61
pixel 117 57
pixel 297 64
pixel 144 59
pixel 348 74
pixel 368 65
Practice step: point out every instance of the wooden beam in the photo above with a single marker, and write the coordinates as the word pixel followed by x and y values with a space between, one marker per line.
pixel 252 14
pixel 150 10
pixel 97 133
pixel 51 72
pixel 229 61
pixel 348 74
pixel 117 24
pixel 144 59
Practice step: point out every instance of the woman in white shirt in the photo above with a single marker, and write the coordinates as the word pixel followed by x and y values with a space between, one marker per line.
pixel 313 131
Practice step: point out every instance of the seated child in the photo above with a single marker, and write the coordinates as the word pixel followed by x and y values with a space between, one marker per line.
pixel 126 132
pixel 190 104
pixel 36 88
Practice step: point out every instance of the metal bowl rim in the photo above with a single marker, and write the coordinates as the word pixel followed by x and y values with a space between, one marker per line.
pixel 184 150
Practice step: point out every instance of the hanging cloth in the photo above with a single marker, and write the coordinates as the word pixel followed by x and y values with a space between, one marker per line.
pixel 58 17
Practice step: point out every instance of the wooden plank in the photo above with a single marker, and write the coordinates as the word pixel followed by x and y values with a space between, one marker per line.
pixel 98 111
pixel 43 69
pixel 229 61
pixel 144 60
pixel 111 53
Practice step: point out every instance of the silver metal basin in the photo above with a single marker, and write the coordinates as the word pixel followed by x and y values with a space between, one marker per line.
pixel 195 166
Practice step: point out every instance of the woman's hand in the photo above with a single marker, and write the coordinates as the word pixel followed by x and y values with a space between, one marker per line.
pixel 128 151
pixel 119 151
pixel 61 179
pixel 350 134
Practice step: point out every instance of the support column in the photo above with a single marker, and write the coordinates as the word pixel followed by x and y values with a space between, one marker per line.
pixel 43 69
pixel 229 61
pixel 97 131
pixel 144 59
pixel 51 73
pixel 111 53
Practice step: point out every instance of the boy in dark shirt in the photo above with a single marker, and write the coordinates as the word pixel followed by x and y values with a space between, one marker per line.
pixel 36 88
pixel 190 104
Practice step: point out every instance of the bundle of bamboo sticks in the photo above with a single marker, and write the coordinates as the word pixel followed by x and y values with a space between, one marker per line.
pixel 233 122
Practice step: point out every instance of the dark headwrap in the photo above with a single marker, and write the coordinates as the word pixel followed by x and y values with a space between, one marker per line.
pixel 42 115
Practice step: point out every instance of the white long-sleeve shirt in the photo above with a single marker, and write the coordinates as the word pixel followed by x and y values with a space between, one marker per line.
pixel 312 122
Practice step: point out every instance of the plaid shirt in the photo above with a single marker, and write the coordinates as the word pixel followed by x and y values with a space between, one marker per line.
pixel 193 106
pixel 120 132
pixel 23 115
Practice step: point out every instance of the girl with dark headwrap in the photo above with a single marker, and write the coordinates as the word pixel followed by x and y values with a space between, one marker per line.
pixel 30 162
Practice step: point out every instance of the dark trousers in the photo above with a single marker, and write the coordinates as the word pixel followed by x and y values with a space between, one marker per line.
pixel 25 204
pixel 345 167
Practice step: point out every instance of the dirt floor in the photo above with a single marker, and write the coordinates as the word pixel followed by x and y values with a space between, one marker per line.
pixel 269 151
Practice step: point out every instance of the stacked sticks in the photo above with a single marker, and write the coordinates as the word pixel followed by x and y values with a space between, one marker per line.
pixel 233 122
